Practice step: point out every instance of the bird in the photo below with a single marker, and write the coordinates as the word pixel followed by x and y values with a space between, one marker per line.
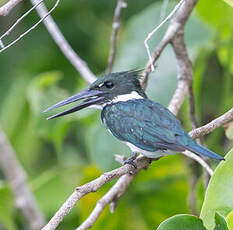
pixel 145 126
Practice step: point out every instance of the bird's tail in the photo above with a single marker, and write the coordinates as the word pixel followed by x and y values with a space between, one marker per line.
pixel 200 150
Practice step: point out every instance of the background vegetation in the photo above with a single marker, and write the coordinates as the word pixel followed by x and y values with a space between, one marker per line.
pixel 61 154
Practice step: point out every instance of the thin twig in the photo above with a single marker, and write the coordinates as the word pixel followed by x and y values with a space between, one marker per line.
pixel 156 29
pixel 1 44
pixel 62 43
pixel 115 28
pixel 17 178
pixel 111 197
pixel 208 128
pixel 199 160
pixel 5 9
pixel 118 188
pixel 176 23
pixel 31 28
pixel 93 186
pixel 7 33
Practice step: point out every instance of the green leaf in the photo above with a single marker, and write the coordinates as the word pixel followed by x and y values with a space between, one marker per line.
pixel 52 187
pixel 7 208
pixel 42 91
pixel 219 17
pixel 182 222
pixel 220 223
pixel 219 193
pixel 2 2
pixel 229 2
pixel 230 220
pixel 13 107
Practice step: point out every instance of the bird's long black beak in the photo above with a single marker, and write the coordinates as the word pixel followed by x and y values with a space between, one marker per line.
pixel 92 97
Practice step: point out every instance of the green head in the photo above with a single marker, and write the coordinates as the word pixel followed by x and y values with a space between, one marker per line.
pixel 120 83
pixel 113 87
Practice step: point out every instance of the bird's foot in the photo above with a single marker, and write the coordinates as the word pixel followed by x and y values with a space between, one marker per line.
pixel 130 160
pixel 150 161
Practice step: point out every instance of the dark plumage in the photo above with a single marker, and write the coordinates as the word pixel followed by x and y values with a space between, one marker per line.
pixel 150 127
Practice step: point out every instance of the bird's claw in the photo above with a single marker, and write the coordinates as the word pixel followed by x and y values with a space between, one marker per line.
pixel 130 161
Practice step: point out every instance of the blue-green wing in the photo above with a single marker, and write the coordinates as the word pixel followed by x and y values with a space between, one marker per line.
pixel 146 124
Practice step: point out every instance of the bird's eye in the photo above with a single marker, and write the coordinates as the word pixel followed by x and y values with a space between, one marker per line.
pixel 109 84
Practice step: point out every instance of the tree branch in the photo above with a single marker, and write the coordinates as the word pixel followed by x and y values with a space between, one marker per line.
pixel 93 186
pixel 115 28
pixel 185 72
pixel 199 160
pixel 6 8
pixel 208 128
pixel 62 43
pixel 30 29
pixel 16 176
pixel 7 33
pixel 118 188
pixel 178 21
pixel 156 29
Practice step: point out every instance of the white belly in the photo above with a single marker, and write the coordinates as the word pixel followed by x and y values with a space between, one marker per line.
pixel 148 154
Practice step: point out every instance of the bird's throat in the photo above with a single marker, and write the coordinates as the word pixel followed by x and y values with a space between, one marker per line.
pixel 127 97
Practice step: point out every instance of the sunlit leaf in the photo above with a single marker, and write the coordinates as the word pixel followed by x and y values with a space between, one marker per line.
pixel 229 2
pixel 182 222
pixel 229 220
pixel 220 223
pixel 7 208
pixel 218 196
pixel 219 17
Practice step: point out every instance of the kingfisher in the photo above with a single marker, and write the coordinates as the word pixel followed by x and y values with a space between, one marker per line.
pixel 147 127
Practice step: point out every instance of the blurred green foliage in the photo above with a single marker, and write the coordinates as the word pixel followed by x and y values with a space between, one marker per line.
pixel 60 154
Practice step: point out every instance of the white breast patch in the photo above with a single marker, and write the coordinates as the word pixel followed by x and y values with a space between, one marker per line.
pixel 127 97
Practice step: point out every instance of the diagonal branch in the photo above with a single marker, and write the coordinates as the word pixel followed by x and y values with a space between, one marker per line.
pixel 176 23
pixel 56 34
pixel 115 28
pixel 30 29
pixel 156 29
pixel 62 43
pixel 93 186
pixel 16 176
pixel 5 9
pixel 208 128
pixel 118 188
pixel 185 71
pixel 7 33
